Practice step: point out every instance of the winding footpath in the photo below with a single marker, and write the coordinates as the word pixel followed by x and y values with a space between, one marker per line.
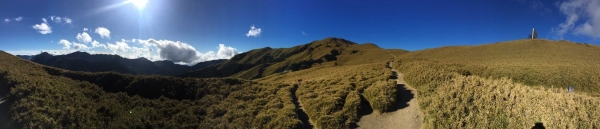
pixel 408 117
pixel 306 122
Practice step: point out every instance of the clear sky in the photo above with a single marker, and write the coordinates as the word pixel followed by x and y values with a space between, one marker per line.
pixel 197 30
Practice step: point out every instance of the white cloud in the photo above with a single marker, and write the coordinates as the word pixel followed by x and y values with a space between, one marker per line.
pixel 226 52
pixel 254 32
pixel 67 20
pixel 59 19
pixel 175 51
pixel 78 46
pixel 304 33
pixel 154 50
pixel 586 10
pixel 43 28
pixel 66 44
pixel 103 32
pixel 96 44
pixel 119 46
pixel 52 52
pixel 84 37
pixel 44 19
pixel 85 29
pixel 56 19
pixel 19 19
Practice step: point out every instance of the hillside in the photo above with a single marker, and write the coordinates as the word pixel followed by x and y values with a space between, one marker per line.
pixel 506 85
pixel 329 83
pixel 47 97
pixel 533 62
pixel 82 61
pixel 267 61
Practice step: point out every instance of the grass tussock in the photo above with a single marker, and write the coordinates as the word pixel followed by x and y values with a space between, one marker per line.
pixel 450 96
pixel 332 96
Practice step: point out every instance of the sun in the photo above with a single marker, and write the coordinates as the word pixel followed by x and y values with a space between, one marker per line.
pixel 140 4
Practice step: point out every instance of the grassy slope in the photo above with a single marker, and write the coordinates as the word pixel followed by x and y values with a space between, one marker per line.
pixel 321 53
pixel 331 94
pixel 490 86
pixel 45 97
pixel 533 62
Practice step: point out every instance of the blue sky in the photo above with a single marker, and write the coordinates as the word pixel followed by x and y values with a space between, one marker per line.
pixel 190 31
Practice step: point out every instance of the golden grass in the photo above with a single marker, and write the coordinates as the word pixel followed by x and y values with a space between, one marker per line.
pixel 532 62
pixel 331 95
pixel 452 98
pixel 45 97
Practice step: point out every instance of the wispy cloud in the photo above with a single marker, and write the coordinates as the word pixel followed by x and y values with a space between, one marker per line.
pixel 67 20
pixel 96 44
pixel 586 10
pixel 72 45
pixel 85 29
pixel 43 28
pixel 304 33
pixel 78 46
pixel 121 46
pixel 254 32
pixel 66 44
pixel 19 19
pixel 103 32
pixel 59 19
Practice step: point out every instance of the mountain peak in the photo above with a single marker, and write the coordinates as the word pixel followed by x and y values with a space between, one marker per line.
pixel 332 41
pixel 45 54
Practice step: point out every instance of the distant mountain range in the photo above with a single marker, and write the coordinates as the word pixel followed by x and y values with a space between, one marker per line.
pixel 82 61
pixel 253 64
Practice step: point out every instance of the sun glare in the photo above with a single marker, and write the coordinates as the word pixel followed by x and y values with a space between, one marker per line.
pixel 140 4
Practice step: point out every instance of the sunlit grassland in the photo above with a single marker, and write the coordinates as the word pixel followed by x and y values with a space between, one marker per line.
pixel 532 62
pixel 332 95
pixel 457 92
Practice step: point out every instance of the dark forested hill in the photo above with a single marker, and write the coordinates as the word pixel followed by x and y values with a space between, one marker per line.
pixel 82 61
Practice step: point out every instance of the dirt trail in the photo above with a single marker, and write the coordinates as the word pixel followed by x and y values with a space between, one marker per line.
pixel 407 116
pixel 307 124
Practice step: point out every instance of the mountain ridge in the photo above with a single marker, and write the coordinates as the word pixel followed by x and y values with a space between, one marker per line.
pixel 266 61
pixel 83 61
